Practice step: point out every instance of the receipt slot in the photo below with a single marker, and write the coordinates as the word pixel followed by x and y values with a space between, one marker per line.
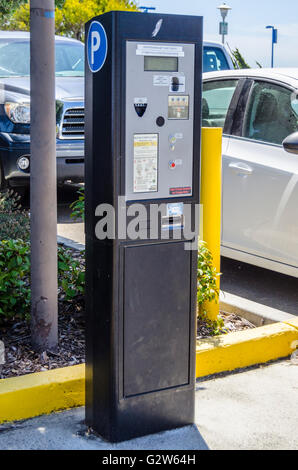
pixel 142 127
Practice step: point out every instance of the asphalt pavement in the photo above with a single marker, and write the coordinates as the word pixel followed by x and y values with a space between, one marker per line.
pixel 253 409
pixel 259 285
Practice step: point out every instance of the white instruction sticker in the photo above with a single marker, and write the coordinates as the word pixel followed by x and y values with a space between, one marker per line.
pixel 141 101
pixel 161 80
pixel 160 50
pixel 175 209
pixel 145 163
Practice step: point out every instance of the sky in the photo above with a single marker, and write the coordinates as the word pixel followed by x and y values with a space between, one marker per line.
pixel 247 26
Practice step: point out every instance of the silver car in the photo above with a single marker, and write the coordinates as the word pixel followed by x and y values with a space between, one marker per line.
pixel 258 110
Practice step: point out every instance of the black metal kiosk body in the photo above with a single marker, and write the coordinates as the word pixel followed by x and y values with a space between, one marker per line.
pixel 142 127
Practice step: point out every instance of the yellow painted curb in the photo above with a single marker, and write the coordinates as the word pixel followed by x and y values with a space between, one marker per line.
pixel 245 348
pixel 36 394
pixel 46 392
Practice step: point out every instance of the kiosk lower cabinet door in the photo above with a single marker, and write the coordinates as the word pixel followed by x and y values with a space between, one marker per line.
pixel 156 317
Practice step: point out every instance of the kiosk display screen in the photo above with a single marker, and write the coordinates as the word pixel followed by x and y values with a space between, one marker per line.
pixel 161 64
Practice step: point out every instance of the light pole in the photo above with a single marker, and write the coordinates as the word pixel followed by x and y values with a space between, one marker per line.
pixel 223 26
pixel 146 9
pixel 43 180
pixel 274 41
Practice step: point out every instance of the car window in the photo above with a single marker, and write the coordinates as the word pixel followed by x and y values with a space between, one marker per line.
pixel 214 60
pixel 271 113
pixel 217 97
pixel 15 58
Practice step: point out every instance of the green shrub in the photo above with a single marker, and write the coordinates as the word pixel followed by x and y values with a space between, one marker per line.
pixel 71 274
pixel 207 290
pixel 216 327
pixel 14 221
pixel 78 206
pixel 207 276
pixel 15 277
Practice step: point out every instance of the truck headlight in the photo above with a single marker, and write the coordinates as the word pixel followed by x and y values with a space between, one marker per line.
pixel 19 113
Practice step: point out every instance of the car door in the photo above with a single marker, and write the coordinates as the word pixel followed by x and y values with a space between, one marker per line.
pixel 260 179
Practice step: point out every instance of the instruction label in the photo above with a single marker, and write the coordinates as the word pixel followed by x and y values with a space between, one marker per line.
pixel 161 80
pixel 145 163
pixel 160 50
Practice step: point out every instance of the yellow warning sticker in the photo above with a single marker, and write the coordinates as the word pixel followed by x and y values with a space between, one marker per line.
pixel 145 163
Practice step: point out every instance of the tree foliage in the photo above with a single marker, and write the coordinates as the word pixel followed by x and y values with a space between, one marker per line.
pixel 71 15
pixel 8 7
pixel 238 60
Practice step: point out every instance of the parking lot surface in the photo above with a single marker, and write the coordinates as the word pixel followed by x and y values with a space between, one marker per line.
pixel 260 285
pixel 253 409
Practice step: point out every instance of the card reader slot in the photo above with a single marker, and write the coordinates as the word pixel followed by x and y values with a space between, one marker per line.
pixel 173 221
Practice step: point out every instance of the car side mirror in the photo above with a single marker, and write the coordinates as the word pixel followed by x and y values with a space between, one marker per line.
pixel 290 143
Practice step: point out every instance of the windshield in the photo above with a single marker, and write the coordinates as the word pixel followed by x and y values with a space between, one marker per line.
pixel 15 58
pixel 214 60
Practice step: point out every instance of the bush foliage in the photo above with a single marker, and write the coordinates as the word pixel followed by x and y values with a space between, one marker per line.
pixel 78 206
pixel 14 278
pixel 14 221
pixel 207 276
pixel 15 261
pixel 15 291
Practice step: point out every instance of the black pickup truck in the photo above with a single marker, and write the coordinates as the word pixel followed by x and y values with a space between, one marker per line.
pixel 15 109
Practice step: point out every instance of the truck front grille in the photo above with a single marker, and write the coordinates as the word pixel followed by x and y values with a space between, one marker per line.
pixel 73 124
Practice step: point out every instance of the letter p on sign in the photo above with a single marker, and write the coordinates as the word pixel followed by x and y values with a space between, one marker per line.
pixel 97 46
pixel 95 43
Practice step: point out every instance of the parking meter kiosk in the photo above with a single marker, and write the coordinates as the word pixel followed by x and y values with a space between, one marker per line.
pixel 143 120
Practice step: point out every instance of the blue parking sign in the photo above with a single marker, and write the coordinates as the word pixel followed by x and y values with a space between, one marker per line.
pixel 97 46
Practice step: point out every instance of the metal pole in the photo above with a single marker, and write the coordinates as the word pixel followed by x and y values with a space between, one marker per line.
pixel 223 15
pixel 211 199
pixel 223 36
pixel 43 194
